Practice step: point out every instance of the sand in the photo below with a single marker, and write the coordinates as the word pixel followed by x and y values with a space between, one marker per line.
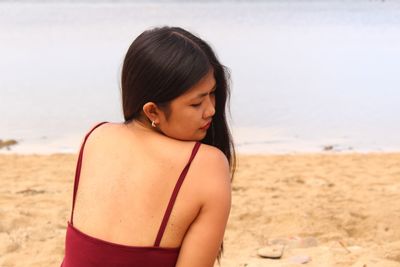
pixel 334 209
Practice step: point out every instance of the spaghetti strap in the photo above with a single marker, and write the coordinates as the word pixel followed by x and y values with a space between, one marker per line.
pixel 78 169
pixel 174 195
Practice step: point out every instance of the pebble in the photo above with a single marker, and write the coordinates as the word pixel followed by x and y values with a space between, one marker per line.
pixel 271 252
pixel 300 259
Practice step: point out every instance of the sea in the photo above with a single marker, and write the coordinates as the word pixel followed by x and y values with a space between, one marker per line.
pixel 306 76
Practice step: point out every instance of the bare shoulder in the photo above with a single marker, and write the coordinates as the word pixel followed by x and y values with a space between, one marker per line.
pixel 212 172
pixel 105 128
pixel 100 136
pixel 212 159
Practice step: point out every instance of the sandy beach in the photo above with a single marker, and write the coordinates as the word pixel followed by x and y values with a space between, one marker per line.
pixel 329 209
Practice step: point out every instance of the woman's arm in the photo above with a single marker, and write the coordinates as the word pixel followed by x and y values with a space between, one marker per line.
pixel 203 239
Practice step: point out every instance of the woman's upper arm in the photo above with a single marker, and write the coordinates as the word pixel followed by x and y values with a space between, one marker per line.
pixel 203 239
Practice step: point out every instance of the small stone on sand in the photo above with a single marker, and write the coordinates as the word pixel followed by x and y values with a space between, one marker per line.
pixel 272 252
pixel 300 259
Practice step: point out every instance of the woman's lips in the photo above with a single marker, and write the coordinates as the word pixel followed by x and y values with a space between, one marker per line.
pixel 206 126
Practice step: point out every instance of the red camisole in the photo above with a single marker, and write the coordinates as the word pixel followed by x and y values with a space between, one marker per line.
pixel 82 250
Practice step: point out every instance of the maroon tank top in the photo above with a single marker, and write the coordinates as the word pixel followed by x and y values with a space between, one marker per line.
pixel 82 250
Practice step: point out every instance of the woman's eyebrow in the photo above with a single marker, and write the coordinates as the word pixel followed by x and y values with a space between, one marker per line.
pixel 204 94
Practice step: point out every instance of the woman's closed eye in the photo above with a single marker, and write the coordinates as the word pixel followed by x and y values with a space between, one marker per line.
pixel 196 105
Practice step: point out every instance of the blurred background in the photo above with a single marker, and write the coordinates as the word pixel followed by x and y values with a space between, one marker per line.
pixel 307 76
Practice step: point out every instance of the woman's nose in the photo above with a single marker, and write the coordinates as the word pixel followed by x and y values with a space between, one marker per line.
pixel 210 111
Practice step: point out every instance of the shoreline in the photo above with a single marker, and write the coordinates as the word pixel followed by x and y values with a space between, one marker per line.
pixel 250 140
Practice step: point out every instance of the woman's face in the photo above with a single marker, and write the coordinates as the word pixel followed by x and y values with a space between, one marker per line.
pixel 191 111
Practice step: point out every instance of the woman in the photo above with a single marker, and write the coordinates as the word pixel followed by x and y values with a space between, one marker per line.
pixel 126 211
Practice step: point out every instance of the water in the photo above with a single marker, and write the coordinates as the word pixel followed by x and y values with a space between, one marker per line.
pixel 305 74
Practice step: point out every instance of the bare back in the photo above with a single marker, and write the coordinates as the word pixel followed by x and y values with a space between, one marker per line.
pixel 126 180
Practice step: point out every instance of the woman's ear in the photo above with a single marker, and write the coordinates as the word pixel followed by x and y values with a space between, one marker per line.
pixel 152 112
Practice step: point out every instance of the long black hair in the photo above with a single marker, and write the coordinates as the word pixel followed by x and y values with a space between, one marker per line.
pixel 161 64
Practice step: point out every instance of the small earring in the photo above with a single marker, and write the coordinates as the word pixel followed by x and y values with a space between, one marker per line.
pixel 153 123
